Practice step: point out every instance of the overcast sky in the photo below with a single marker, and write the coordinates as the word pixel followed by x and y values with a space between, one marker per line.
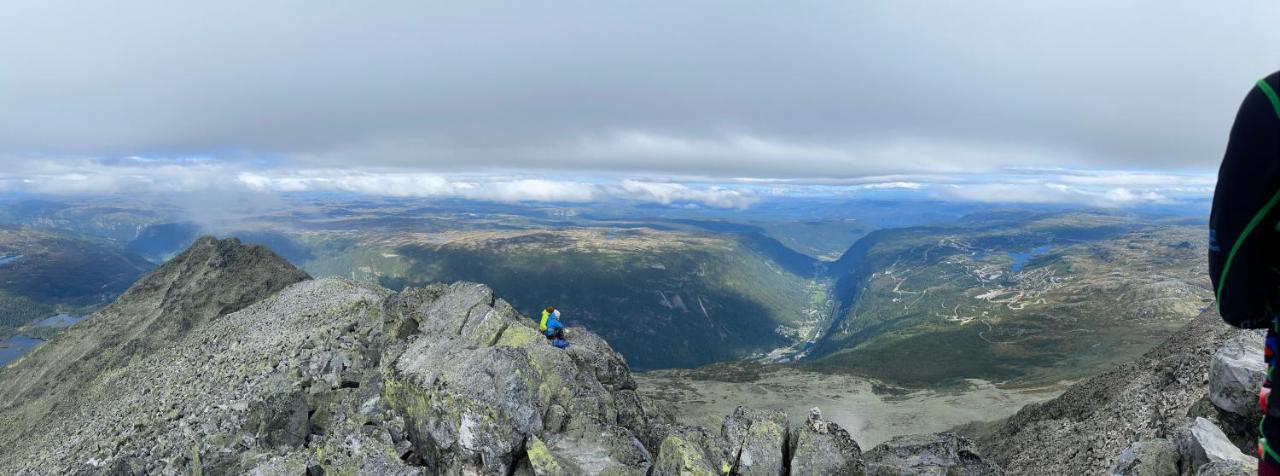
pixel 464 98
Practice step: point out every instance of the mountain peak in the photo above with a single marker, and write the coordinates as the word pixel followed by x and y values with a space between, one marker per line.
pixel 211 278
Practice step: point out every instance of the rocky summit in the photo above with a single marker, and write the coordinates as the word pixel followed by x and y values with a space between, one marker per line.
pixel 228 360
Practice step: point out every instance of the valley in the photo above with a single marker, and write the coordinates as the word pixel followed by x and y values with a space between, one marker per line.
pixel 664 298
pixel 47 273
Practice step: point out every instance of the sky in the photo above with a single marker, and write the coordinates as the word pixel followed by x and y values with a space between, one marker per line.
pixel 710 102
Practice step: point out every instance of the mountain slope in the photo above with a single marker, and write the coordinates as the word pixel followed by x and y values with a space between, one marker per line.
pixel 211 279
pixel 1084 430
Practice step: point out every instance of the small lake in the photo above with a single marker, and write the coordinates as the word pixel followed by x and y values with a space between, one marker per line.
pixel 1020 259
pixel 15 346
pixel 58 321
pixel 9 259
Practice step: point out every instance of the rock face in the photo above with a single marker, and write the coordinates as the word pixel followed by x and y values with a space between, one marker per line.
pixel 758 441
pixel 1235 374
pixel 228 360
pixel 693 451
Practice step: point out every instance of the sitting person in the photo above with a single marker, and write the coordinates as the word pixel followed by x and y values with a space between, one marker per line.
pixel 552 328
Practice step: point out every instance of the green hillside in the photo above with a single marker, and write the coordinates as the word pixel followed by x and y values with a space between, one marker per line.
pixel 1032 299
pixel 44 272
pixel 664 299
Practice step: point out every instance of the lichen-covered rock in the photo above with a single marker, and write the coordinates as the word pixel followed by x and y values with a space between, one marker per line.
pixel 693 451
pixel 280 420
pixel 757 440
pixel 935 454
pixel 1202 443
pixel 822 447
pixel 545 463
pixel 1152 457
pixel 471 394
pixel 1235 375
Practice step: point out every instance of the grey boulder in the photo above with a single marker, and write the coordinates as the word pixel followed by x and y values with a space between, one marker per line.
pixel 1236 373
pixel 938 454
pixel 1202 443
pixel 1153 457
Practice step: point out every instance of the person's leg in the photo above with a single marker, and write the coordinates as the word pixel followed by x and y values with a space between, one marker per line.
pixel 1269 428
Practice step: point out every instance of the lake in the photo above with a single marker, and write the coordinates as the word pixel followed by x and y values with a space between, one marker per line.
pixel 1020 259
pixel 15 346
pixel 60 320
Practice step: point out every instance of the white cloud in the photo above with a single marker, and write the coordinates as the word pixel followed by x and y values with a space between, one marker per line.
pixel 136 175
pixel 1052 193
pixel 497 189
pixel 893 186
pixel 667 193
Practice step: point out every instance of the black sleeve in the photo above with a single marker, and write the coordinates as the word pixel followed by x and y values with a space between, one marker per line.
pixel 1242 225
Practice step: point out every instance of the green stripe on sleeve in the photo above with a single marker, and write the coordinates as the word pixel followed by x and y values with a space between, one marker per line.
pixel 1271 94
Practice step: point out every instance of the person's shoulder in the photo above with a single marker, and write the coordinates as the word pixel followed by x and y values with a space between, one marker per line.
pixel 1272 80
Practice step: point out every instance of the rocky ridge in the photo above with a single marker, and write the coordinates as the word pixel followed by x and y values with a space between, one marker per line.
pixel 227 360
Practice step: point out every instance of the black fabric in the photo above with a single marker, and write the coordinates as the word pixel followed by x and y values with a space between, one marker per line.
pixel 1248 178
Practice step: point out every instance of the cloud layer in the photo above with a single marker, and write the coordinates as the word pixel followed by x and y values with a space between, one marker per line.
pixel 208 177
pixel 400 91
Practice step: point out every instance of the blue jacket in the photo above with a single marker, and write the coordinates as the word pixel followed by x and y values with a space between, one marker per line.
pixel 553 324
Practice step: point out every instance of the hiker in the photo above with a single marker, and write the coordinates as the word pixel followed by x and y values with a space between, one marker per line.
pixel 552 328
pixel 1244 261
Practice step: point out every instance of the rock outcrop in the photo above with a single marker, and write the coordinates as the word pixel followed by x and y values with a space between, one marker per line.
pixel 822 447
pixel 477 382
pixel 757 440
